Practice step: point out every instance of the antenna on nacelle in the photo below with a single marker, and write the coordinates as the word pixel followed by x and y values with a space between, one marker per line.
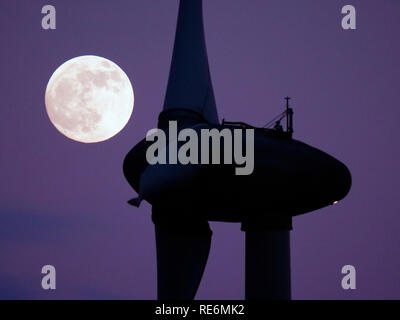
pixel 289 117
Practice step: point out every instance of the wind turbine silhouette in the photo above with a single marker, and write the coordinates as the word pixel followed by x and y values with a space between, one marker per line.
pixel 289 178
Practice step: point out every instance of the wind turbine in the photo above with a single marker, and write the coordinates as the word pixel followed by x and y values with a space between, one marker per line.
pixel 289 178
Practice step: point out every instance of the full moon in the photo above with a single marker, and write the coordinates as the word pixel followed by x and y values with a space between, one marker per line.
pixel 89 99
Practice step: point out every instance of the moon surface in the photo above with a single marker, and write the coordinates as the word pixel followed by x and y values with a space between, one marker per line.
pixel 89 99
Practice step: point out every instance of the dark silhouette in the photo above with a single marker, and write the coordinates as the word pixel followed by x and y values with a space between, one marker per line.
pixel 289 178
pixel 289 117
pixel 278 126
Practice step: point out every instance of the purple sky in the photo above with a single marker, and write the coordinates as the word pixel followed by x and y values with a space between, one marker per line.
pixel 64 203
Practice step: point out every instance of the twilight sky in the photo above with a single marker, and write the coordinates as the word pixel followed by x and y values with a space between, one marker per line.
pixel 64 203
